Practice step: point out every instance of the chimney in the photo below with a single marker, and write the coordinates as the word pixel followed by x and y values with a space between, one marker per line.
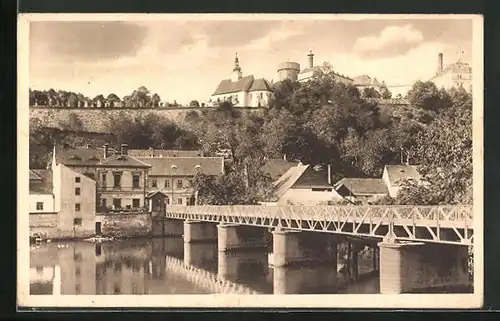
pixel 440 63
pixel 106 150
pixel 123 149
pixel 311 59
pixel 329 174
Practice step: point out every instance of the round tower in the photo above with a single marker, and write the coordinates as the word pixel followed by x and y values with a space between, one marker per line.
pixel 288 70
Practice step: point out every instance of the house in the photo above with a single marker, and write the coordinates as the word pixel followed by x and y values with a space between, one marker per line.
pixel 173 176
pixel 243 91
pixel 395 175
pixel 365 190
pixel 151 152
pixel 455 75
pixel 303 185
pixel 41 199
pixel 121 178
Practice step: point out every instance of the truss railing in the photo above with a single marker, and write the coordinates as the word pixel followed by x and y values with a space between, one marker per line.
pixel 443 224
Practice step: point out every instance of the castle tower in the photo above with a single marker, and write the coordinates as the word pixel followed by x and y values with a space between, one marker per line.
pixel 288 70
pixel 311 59
pixel 236 75
pixel 440 63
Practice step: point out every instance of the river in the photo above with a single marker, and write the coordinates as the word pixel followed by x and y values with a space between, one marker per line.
pixel 170 266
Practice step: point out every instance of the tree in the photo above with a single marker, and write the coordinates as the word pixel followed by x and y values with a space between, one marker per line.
pixel 155 100
pixel 386 94
pixel 370 92
pixel 425 95
pixel 194 104
pixel 73 100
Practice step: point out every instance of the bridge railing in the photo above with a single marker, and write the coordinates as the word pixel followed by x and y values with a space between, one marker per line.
pixel 451 213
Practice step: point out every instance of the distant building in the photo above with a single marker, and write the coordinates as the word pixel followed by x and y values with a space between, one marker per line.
pixel 365 190
pixel 288 70
pixel 243 91
pixel 365 81
pixel 173 176
pixel 41 199
pixel 395 175
pixel 152 152
pixel 312 72
pixel 458 74
pixel 302 185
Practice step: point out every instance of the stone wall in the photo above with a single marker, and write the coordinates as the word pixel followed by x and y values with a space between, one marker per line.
pixel 97 119
pixel 126 225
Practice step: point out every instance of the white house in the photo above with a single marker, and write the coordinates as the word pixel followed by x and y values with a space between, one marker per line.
pixel 243 91
pixel 395 175
pixel 41 199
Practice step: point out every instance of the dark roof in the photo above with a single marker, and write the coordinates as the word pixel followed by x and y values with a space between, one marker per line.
pixel 276 167
pixel 78 155
pixel 118 160
pixel 228 86
pixel 287 180
pixel 184 166
pixel 42 185
pixel 362 186
pixel 260 85
pixel 399 173
pixel 164 152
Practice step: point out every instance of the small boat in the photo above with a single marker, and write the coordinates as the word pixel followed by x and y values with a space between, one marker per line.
pixel 99 239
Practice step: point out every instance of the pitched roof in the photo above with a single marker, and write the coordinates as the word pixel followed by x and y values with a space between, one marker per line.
pixel 287 180
pixel 228 86
pixel 78 155
pixel 42 185
pixel 362 186
pixel 365 80
pixel 260 85
pixel 118 160
pixel 184 166
pixel 276 167
pixel 399 173
pixel 164 153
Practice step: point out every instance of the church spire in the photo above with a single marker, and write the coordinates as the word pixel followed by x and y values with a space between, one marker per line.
pixel 236 63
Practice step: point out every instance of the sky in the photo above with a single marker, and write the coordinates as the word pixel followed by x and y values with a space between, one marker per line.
pixel 184 60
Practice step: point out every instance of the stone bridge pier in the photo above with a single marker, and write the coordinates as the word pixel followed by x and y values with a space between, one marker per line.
pixel 295 247
pixel 414 267
pixel 236 237
pixel 199 231
pixel 167 227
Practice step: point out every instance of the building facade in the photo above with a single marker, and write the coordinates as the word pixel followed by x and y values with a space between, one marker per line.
pixel 455 75
pixel 364 81
pixel 312 72
pixel 173 176
pixel 243 91
pixel 41 199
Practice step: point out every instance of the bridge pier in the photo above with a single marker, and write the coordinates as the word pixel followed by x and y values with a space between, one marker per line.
pixel 199 231
pixel 167 227
pixel 295 247
pixel 235 237
pixel 413 267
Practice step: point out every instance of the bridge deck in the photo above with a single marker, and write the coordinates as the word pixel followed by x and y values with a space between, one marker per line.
pixel 443 224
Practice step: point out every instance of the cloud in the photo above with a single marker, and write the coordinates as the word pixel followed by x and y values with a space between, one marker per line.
pixel 392 41
pixel 86 40
pixel 235 33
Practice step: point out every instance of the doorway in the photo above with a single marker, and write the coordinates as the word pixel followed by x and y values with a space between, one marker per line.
pixel 98 228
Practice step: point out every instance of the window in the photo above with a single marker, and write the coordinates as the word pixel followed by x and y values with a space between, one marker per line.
pixel 261 95
pixel 77 207
pixel 190 182
pixel 250 96
pixel 167 200
pixel 78 271
pixel 179 201
pixel 117 179
pixel 77 179
pixel 77 289
pixel 136 202
pixel 39 206
pixel 77 221
pixel 179 183
pixel 154 183
pixel 167 183
pixel 104 202
pixel 103 179
pixel 117 202
pixel 135 181
pixel 77 257
pixel 77 191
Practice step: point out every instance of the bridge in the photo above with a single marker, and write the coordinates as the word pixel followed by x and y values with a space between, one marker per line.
pixel 435 224
pixel 414 247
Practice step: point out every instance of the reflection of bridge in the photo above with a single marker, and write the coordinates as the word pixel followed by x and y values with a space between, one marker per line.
pixel 205 279
pixel 441 224
pixel 421 246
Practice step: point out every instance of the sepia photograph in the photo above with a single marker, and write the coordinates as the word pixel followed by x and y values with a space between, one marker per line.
pixel 250 160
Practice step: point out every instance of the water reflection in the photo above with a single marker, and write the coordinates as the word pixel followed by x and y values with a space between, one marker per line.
pixel 170 266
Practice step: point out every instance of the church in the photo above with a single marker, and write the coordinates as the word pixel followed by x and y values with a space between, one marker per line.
pixel 243 91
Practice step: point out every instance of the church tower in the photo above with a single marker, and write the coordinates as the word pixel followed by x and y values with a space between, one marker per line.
pixel 236 75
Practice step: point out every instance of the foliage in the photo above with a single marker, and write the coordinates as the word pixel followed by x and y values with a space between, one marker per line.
pixel 370 92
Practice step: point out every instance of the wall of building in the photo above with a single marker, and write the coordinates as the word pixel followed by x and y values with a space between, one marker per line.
pixel 126 225
pixel 126 192
pixel 305 196
pixel 46 199
pixel 172 191
pixel 259 98
pixel 68 212
pixel 450 80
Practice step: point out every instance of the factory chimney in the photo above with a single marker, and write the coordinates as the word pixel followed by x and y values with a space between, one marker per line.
pixel 311 59
pixel 440 63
